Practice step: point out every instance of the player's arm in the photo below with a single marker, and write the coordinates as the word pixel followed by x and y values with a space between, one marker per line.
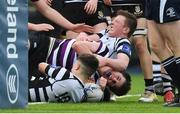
pixel 56 73
pixel 85 37
pixel 56 17
pixel 40 27
pixel 82 47
pixel 119 64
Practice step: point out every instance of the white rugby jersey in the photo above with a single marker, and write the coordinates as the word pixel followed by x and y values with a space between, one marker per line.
pixel 116 45
pixel 60 86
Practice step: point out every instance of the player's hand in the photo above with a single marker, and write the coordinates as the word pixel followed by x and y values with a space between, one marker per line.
pixel 82 27
pixel 107 2
pixel 82 37
pixel 102 60
pixel 91 6
pixel 42 66
pixel 43 27
pixel 102 82
pixel 49 2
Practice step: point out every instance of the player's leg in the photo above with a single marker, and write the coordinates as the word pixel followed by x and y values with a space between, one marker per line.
pixel 161 50
pixel 171 32
pixel 140 42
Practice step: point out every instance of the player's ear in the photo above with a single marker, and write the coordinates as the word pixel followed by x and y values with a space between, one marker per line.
pixel 126 30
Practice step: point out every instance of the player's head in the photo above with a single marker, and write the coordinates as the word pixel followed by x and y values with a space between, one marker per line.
pixel 119 83
pixel 123 23
pixel 89 64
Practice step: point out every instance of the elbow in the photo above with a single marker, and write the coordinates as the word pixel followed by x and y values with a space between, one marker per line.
pixel 124 66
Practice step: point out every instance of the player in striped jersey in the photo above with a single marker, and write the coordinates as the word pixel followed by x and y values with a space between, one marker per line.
pixel 58 52
pixel 117 40
pixel 61 85
pixel 116 37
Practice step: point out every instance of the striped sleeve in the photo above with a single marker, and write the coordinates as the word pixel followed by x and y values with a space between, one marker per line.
pixel 58 73
pixel 123 46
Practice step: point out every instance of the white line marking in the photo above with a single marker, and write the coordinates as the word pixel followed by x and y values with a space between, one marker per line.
pixel 125 96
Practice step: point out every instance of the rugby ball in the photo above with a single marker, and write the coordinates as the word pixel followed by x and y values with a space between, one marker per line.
pixel 94 92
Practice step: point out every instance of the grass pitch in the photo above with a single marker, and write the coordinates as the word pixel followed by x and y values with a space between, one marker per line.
pixel 125 104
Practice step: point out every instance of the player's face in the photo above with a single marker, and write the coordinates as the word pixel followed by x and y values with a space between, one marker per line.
pixel 117 26
pixel 116 79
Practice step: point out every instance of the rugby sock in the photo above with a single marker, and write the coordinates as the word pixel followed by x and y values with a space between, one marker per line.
pixel 178 69
pixel 156 72
pixel 167 83
pixel 178 65
pixel 170 66
pixel 149 85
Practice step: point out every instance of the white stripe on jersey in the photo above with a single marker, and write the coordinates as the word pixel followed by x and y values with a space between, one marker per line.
pixel 103 48
pixel 72 76
pixel 32 94
pixel 52 40
pixel 50 93
pixel 69 46
pixel 50 71
pixel 42 98
pixel 60 74
pixel 161 10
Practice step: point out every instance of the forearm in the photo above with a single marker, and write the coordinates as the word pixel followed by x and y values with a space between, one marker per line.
pixel 81 47
pixel 117 64
pixel 31 26
pixel 53 15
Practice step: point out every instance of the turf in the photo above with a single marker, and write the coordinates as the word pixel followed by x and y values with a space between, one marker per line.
pixel 127 104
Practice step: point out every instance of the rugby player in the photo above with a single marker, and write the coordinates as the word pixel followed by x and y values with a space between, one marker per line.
pixel 61 85
pixel 139 39
pixel 116 37
pixel 164 17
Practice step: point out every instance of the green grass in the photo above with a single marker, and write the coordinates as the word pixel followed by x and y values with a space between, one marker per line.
pixel 123 105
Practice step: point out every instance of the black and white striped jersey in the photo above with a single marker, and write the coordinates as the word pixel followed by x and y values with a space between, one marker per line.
pixel 60 85
pixel 116 45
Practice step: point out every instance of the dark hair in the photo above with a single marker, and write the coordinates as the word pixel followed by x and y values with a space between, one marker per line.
pixel 123 90
pixel 131 20
pixel 90 63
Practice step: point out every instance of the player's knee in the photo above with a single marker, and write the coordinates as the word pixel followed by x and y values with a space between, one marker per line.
pixel 141 47
pixel 155 48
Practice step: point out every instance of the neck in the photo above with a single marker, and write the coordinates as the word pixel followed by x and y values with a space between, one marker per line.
pixel 80 76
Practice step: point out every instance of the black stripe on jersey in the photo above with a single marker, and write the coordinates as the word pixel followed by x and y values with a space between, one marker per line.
pixel 45 94
pixel 70 59
pixel 99 48
pixel 55 72
pixel 29 98
pixel 104 53
pixel 37 94
pixel 79 81
pixel 66 75
pixel 47 69
pixel 100 35
pixel 122 44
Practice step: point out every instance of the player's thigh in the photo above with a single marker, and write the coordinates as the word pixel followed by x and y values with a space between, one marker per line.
pixel 156 40
pixel 170 31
